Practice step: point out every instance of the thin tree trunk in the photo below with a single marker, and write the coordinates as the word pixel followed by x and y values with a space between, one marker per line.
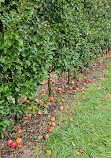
pixel 49 86
pixel 68 76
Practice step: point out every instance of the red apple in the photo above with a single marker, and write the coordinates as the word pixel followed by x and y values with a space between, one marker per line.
pixel 46 136
pixel 77 85
pixel 10 142
pixel 72 111
pixel 50 130
pixel 56 88
pixel 81 151
pixel 87 81
pixel 48 25
pixel 102 103
pixel 96 16
pixel 61 108
pixel 53 124
pixel 62 100
pixel 19 131
pixel 84 84
pixel 52 119
pixel 5 131
pixel 39 112
pixel 13 145
pixel 105 75
pixel 27 115
pixel 79 79
pixel 83 98
pixel 70 88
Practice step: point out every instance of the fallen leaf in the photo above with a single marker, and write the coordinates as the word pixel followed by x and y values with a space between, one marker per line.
pixel 48 152
pixel 73 144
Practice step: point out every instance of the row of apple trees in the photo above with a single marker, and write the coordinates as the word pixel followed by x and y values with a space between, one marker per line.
pixel 38 35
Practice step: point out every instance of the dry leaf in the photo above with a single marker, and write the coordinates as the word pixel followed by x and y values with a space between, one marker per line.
pixel 48 152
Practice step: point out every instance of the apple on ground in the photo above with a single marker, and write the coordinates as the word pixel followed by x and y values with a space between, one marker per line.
pixel 96 16
pixel 5 131
pixel 18 140
pixel 52 119
pixel 10 142
pixel 13 145
pixel 27 115
pixel 19 131
pixel 77 89
pixel 39 112
pixel 79 79
pixel 61 108
pixel 50 130
pixel 72 111
pixel 53 124
pixel 81 151
pixel 46 136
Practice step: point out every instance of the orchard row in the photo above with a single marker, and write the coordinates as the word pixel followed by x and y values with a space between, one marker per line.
pixel 39 38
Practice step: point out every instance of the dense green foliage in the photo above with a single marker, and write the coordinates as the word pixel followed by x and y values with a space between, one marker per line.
pixel 36 35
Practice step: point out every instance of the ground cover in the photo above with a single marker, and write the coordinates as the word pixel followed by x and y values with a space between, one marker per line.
pixel 86 133
pixel 82 108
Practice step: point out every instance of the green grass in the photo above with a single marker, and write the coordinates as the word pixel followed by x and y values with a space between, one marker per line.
pixel 90 129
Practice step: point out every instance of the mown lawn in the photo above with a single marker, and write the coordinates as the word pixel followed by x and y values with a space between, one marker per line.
pixel 90 129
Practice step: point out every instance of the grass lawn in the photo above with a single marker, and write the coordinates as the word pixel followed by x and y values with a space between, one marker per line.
pixel 90 127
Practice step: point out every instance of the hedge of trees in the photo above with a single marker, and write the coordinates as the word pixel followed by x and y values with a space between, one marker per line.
pixel 41 36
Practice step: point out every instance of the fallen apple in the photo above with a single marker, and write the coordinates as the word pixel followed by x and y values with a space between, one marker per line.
pixel 13 145
pixel 53 124
pixel 46 136
pixel 10 142
pixel 19 131
pixel 72 111
pixel 61 108
pixel 50 130
pixel 39 112
pixel 83 98
pixel 81 151
pixel 5 131
pixel 52 119
pixel 18 140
